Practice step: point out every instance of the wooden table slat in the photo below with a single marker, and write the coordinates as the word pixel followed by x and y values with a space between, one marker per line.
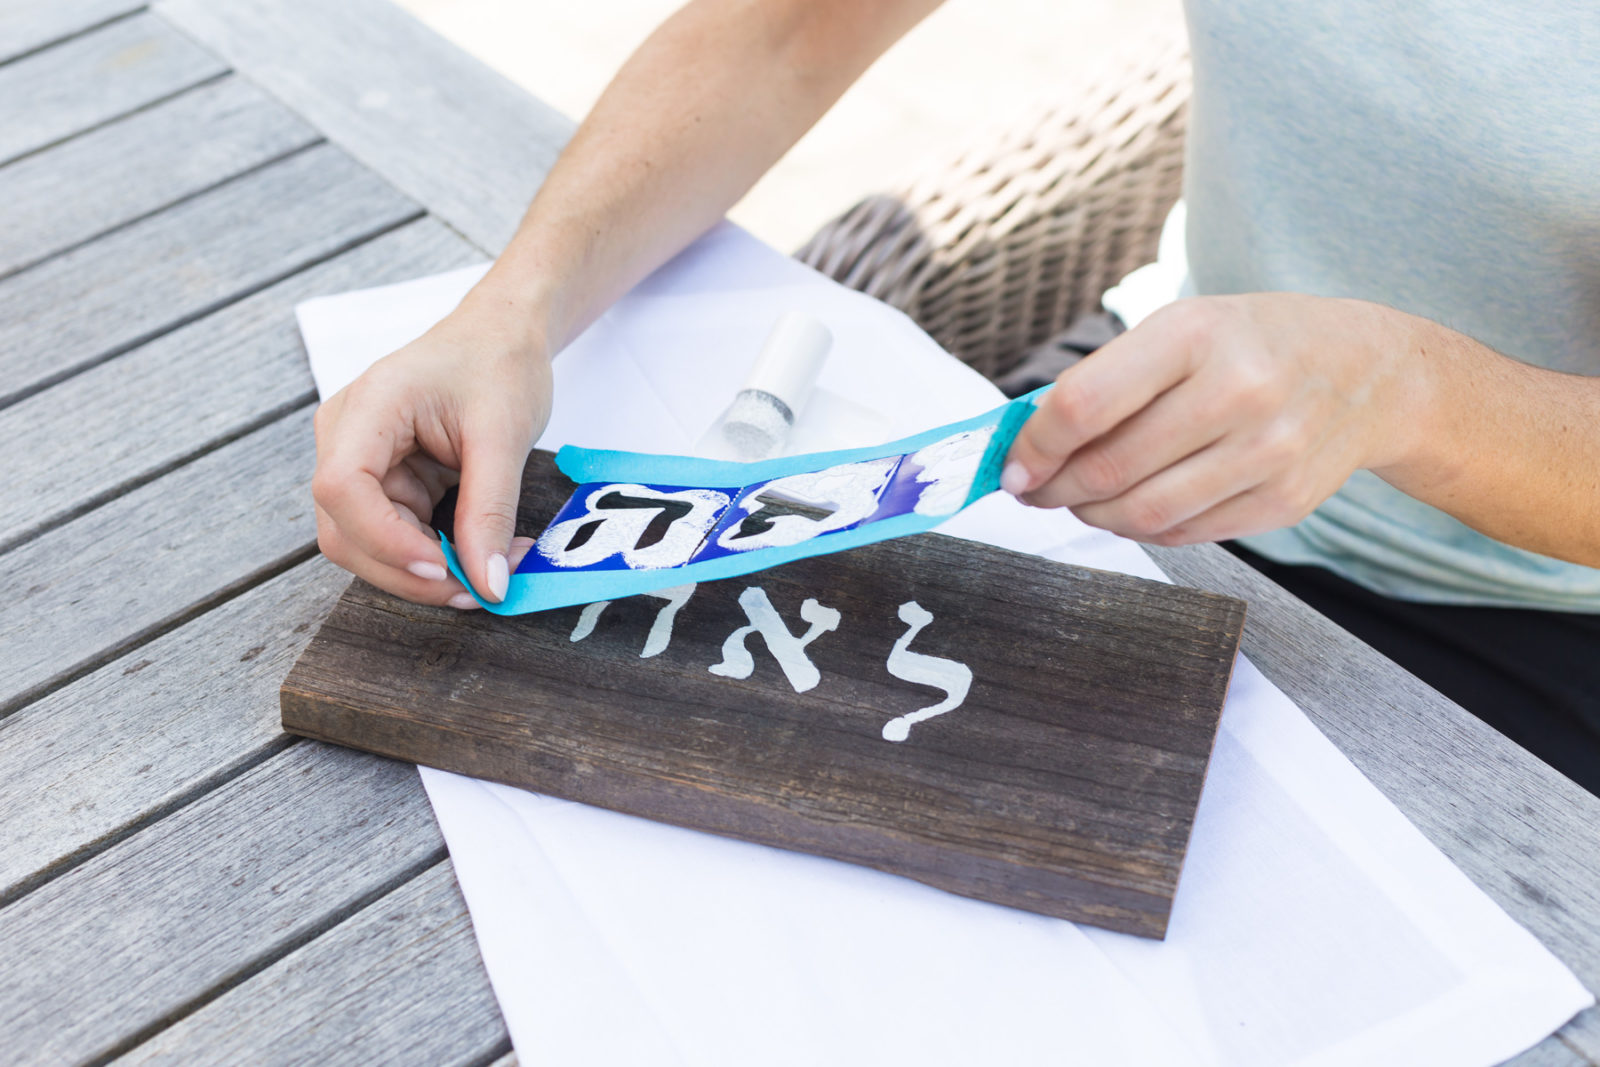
pixel 152 927
pixel 399 983
pixel 91 79
pixel 1552 1052
pixel 89 589
pixel 154 727
pixel 140 164
pixel 173 397
pixel 412 106
pixel 77 309
pixel 26 26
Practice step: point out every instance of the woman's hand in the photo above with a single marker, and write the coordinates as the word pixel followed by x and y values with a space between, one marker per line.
pixel 462 404
pixel 1220 417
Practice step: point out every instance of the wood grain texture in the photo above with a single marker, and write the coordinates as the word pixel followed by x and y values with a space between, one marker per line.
pixel 447 131
pixel 1065 782
pixel 132 285
pixel 76 190
pixel 149 928
pixel 27 25
pixel 83 82
pixel 84 591
pixel 153 727
pixel 164 401
pixel 1522 832
pixel 398 983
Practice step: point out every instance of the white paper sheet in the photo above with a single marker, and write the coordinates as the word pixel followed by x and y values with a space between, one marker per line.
pixel 1313 924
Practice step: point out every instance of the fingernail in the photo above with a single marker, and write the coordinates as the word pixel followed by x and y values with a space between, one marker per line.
pixel 431 572
pixel 462 602
pixel 498 574
pixel 1014 479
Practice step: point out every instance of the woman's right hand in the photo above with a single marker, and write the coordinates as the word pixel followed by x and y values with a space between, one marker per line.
pixel 461 405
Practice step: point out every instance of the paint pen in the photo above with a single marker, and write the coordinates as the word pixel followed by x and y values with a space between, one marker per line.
pixel 757 423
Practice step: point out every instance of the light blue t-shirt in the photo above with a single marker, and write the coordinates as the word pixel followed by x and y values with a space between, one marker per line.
pixel 1438 156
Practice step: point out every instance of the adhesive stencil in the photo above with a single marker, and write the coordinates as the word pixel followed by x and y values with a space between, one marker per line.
pixel 638 522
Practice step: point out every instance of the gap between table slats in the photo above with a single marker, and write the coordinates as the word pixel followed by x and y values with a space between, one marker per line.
pixel 26 28
pixel 130 420
pixel 206 898
pixel 64 90
pixel 90 305
pixel 137 165
pixel 427 994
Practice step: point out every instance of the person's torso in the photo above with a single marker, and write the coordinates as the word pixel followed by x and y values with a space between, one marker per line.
pixel 1439 156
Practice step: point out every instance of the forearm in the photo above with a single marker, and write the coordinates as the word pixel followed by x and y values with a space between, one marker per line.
pixel 1510 449
pixel 704 107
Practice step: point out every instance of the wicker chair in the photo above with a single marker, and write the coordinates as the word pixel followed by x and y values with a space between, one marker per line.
pixel 1003 246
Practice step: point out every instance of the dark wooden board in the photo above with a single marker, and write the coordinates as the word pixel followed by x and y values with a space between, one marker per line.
pixel 1065 783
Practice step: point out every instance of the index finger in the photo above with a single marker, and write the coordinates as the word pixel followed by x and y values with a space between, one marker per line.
pixel 1092 398
pixel 348 485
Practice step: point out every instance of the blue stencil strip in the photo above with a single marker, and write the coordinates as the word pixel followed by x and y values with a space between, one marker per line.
pixel 544 591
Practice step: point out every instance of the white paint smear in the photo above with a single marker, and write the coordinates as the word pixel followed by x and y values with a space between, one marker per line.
pixel 949 467
pixel 621 528
pixel 851 490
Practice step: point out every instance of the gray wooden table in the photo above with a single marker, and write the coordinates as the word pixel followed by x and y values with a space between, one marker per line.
pixel 179 881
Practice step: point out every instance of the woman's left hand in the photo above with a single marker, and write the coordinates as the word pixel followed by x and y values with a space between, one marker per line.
pixel 1220 417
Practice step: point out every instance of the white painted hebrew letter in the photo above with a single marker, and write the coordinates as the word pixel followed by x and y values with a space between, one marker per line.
pixel 660 631
pixel 947 674
pixel 788 650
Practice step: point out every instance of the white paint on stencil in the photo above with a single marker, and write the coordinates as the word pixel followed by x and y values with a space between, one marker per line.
pixel 851 490
pixel 660 635
pixel 621 528
pixel 953 677
pixel 949 467
pixel 788 650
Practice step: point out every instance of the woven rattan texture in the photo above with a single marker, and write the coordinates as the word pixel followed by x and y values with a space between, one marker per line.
pixel 1003 245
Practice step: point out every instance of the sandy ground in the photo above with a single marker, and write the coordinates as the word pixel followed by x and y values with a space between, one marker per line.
pixel 972 64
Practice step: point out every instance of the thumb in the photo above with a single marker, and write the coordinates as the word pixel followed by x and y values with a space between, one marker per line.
pixel 486 508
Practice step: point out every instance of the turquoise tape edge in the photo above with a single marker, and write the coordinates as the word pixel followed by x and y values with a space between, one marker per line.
pixel 1012 416
pixel 584 465
pixel 542 592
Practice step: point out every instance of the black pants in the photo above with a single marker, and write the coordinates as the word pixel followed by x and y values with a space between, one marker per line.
pixel 1532 675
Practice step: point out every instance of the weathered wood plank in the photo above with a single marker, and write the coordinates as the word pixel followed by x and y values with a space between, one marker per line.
pixel 138 282
pixel 104 955
pixel 164 401
pixel 1072 711
pixel 95 585
pixel 138 164
pixel 83 82
pixel 26 25
pixel 399 983
pixel 1521 831
pixel 416 109
pixel 154 727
